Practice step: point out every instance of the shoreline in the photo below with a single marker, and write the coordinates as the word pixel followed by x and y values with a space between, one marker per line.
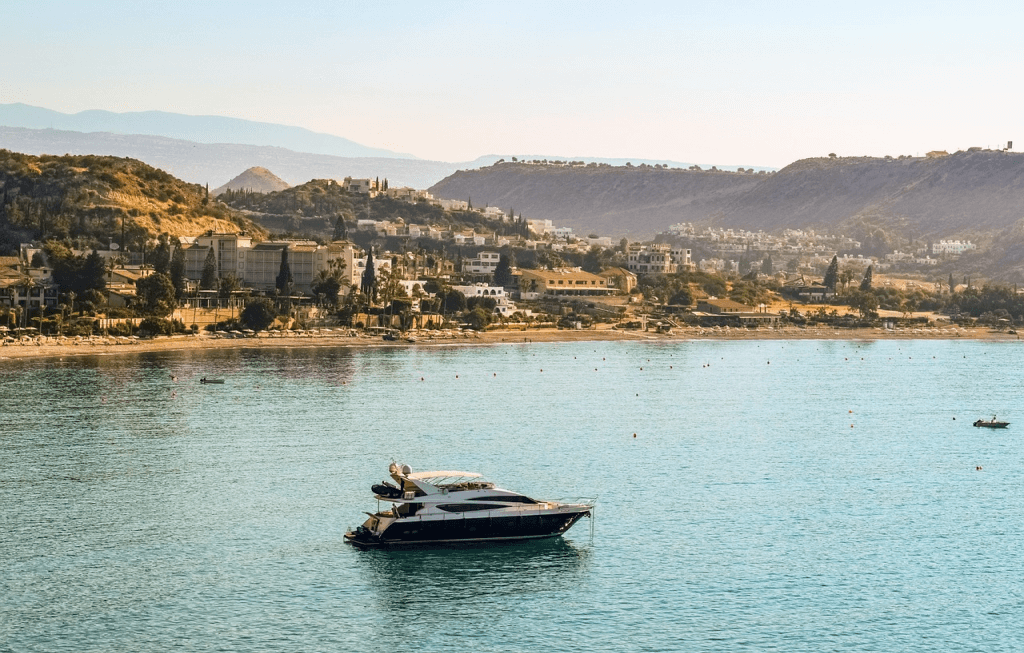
pixel 105 346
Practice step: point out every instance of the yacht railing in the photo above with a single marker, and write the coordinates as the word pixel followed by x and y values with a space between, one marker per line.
pixel 589 502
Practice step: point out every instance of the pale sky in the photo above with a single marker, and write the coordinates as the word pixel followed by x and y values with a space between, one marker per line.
pixel 741 83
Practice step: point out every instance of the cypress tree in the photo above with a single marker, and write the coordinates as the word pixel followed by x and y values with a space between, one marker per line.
pixel 284 276
pixel 368 284
pixel 503 272
pixel 832 274
pixel 865 284
pixel 340 231
pixel 952 284
pixel 178 271
pixel 209 278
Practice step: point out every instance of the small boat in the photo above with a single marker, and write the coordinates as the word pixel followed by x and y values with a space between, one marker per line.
pixel 206 380
pixel 993 424
pixel 447 507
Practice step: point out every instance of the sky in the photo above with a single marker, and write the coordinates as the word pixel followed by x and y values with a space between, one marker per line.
pixel 727 83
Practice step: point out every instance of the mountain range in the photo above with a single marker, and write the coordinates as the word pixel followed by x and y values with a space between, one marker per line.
pixel 213 149
pixel 198 129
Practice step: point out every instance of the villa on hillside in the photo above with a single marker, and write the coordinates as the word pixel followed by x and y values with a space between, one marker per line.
pixel 561 282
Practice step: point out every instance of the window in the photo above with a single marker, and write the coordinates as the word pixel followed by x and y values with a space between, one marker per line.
pixel 468 507
pixel 513 498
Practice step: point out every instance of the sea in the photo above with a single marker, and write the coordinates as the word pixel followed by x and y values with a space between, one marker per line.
pixel 814 495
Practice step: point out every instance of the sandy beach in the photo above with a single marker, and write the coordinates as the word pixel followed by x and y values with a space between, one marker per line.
pixel 53 347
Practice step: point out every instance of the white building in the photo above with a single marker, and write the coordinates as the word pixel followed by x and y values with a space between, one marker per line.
pixel 503 305
pixel 454 205
pixel 650 259
pixel 952 247
pixel 360 186
pixel 484 263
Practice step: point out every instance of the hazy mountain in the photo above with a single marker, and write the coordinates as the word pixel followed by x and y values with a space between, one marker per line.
pixel 199 129
pixel 637 201
pixel 215 164
pixel 256 180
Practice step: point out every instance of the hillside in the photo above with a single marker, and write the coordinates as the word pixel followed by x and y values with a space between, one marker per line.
pixel 256 180
pixel 619 201
pixel 199 129
pixel 961 194
pixel 92 198
pixel 215 164
pixel 311 210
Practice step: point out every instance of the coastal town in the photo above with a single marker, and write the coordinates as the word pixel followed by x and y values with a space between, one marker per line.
pixel 409 278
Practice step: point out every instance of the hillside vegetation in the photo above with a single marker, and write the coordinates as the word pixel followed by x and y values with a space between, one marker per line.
pixel 91 198
pixel 312 209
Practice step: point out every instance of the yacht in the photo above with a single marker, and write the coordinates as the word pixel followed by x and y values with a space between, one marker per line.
pixel 450 506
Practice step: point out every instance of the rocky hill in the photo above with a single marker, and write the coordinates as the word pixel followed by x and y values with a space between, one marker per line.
pixel 91 199
pixel 256 179
pixel 636 201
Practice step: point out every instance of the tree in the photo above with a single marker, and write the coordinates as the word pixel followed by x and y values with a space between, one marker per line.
pixel 846 276
pixel 865 284
pixel 864 302
pixel 259 314
pixel 162 255
pixel 209 279
pixel 682 297
pixel 228 285
pixel 284 280
pixel 832 274
pixel 177 271
pixel 94 272
pixel 952 284
pixel 328 286
pixel 503 272
pixel 767 267
pixel 156 294
pixel 478 318
pixel 340 231
pixel 368 285
pixel 454 301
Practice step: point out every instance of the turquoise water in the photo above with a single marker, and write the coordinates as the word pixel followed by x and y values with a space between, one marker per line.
pixel 753 510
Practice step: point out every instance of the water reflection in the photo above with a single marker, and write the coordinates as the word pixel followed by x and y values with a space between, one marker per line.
pixel 408 579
